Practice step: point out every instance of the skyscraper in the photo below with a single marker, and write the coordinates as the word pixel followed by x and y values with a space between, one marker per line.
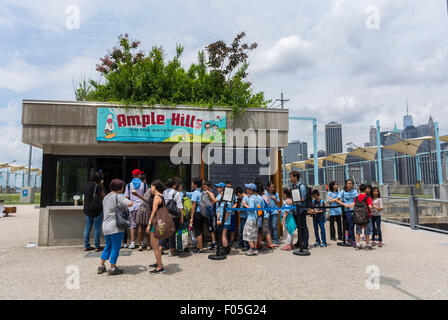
pixel 296 151
pixel 372 137
pixel 333 137
pixel 407 119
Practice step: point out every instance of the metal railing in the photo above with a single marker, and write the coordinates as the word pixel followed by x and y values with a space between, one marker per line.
pixel 417 213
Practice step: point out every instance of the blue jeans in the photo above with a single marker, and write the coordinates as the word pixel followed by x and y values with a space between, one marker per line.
pixel 273 222
pixel 113 246
pixel 96 224
pixel 321 225
pixel 241 242
pixel 351 225
pixel 376 224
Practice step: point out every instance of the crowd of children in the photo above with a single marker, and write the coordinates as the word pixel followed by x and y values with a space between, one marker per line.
pixel 258 207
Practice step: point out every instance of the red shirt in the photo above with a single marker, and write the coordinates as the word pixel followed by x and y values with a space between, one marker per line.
pixel 369 201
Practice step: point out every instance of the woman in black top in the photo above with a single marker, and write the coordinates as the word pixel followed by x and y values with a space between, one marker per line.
pixel 93 209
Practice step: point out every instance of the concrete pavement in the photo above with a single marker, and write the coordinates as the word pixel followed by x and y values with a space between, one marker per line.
pixel 412 265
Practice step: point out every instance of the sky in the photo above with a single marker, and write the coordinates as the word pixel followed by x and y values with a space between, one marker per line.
pixel 350 61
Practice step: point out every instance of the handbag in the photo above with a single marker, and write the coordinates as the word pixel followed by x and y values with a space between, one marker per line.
pixel 121 217
pixel 163 223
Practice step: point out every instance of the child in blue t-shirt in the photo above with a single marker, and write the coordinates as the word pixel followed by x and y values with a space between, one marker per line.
pixel 319 218
pixel 288 221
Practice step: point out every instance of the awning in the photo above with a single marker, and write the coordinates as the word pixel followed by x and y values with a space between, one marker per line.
pixel 365 153
pixel 442 138
pixel 288 167
pixel 338 157
pixel 320 162
pixel 301 165
pixel 4 165
pixel 408 146
pixel 16 168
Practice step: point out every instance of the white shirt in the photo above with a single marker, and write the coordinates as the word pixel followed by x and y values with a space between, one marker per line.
pixel 168 195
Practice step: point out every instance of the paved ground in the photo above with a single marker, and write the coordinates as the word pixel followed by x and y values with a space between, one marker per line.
pixel 412 265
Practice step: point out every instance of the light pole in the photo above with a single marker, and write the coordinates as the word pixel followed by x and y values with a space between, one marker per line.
pixel 316 160
pixel 380 160
pixel 29 166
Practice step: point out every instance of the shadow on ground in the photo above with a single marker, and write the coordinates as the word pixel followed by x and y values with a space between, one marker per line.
pixel 394 283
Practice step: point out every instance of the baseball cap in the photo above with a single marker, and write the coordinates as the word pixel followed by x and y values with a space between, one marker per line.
pixel 251 186
pixel 220 185
pixel 137 172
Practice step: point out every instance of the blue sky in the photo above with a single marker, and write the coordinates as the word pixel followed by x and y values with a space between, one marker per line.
pixel 320 53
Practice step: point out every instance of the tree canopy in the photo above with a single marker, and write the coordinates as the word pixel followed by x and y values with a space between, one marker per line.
pixel 217 79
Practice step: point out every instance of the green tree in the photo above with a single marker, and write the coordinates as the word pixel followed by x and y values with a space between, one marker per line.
pixel 217 79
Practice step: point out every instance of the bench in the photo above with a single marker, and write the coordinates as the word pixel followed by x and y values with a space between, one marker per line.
pixel 9 210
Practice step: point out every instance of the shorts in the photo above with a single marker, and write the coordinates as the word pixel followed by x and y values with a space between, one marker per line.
pixel 198 224
pixel 367 228
pixel 231 225
pixel 211 220
pixel 250 232
pixel 264 230
pixel 133 218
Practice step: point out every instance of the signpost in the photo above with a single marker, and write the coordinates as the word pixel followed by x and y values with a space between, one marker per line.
pixel 221 253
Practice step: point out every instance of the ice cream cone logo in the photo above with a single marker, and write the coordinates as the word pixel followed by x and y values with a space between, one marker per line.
pixel 110 127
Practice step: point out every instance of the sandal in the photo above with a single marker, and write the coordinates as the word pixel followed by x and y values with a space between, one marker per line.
pixel 99 249
pixel 89 249
pixel 287 248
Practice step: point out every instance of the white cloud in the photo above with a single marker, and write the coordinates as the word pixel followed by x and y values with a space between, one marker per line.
pixel 19 76
pixel 287 56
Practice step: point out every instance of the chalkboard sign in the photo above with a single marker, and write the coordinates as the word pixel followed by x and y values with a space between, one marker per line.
pixel 239 174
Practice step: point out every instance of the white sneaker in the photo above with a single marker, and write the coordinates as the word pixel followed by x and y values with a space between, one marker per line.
pixel 124 245
pixel 358 246
pixel 132 245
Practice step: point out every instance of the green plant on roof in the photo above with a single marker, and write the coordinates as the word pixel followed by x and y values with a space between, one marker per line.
pixel 218 78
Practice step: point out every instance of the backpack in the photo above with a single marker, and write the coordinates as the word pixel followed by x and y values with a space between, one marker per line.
pixel 187 207
pixel 308 202
pixel 361 212
pixel 93 204
pixel 171 205
pixel 205 204
pixel 130 190
pixel 163 223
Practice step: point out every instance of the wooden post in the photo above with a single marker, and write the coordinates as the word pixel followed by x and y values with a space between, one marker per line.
pixel 277 178
pixel 202 168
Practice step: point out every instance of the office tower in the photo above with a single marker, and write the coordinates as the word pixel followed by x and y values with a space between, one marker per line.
pixel 333 137
pixel 296 151
pixel 372 136
pixel 407 119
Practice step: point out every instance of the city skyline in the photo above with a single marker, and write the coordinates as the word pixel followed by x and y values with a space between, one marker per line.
pixel 321 55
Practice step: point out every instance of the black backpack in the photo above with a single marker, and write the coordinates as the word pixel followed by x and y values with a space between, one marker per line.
pixel 171 205
pixel 93 204
pixel 308 202
pixel 361 212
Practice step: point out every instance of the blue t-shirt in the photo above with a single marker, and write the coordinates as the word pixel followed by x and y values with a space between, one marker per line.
pixel 272 203
pixel 196 197
pixel 348 197
pixel 244 214
pixel 263 204
pixel 252 203
pixel 335 211
pixel 284 211
pixel 302 188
